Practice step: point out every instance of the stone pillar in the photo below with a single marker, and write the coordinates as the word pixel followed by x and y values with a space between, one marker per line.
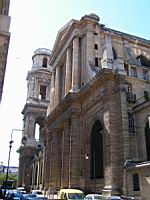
pixel 68 78
pixel 107 59
pixel 38 173
pixel 52 92
pixel 75 65
pixel 57 85
pixel 55 171
pixel 65 156
pixel 89 51
pixel 47 160
pixel 29 124
pixel 115 157
pixel 74 153
pixel 36 88
pixel 26 154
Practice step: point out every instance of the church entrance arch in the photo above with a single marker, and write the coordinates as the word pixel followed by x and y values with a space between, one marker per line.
pixel 97 168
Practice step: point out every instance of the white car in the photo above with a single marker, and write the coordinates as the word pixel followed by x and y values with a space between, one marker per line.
pixel 114 198
pixel 94 197
pixel 38 193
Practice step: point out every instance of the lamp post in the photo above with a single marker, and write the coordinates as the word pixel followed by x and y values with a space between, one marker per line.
pixel 86 156
pixel 10 146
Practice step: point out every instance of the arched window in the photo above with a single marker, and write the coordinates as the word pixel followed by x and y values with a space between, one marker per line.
pixel 114 54
pixel 97 151
pixel 136 182
pixel 44 62
pixel 144 61
pixel 37 131
pixel 147 140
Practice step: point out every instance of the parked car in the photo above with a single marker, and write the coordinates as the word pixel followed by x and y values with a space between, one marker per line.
pixel 29 196
pixel 21 189
pixel 70 194
pixel 14 195
pixel 114 198
pixel 38 193
pixel 94 197
pixel 41 198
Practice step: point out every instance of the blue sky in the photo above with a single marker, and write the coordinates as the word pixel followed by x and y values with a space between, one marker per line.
pixel 34 24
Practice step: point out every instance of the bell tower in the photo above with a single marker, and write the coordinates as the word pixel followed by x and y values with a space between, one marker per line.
pixel 35 110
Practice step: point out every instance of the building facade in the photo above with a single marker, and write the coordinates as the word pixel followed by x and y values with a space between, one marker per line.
pixel 95 124
pixel 4 40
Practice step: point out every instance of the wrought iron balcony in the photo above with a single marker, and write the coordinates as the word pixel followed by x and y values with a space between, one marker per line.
pixel 131 98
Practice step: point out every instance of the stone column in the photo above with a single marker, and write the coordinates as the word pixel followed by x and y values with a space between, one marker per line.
pixel 115 155
pixel 36 88
pixel 74 153
pixel 47 160
pixel 75 65
pixel 57 85
pixel 65 155
pixel 29 124
pixel 68 71
pixel 89 51
pixel 52 93
pixel 55 172
pixel 108 58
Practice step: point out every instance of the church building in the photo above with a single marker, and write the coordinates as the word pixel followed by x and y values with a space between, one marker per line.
pixel 87 113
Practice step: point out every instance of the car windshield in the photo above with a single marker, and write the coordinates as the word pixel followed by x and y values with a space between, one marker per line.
pixel 97 197
pixel 38 192
pixel 29 195
pixel 18 194
pixel 76 196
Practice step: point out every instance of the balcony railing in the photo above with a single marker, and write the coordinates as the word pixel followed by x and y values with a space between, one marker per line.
pixel 131 98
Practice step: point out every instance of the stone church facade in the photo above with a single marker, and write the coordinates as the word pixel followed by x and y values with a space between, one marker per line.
pixel 90 97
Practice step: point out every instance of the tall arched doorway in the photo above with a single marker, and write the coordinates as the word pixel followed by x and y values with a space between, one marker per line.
pixel 97 151
pixel 147 139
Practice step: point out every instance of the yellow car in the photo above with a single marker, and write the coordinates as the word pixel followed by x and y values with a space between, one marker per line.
pixel 70 194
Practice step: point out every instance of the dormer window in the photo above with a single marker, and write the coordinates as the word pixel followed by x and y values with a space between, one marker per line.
pixel 44 62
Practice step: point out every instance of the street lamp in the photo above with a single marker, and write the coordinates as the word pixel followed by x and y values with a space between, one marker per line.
pixel 10 146
pixel 86 157
pixel 24 140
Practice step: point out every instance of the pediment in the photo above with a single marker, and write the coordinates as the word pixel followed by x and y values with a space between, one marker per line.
pixel 62 33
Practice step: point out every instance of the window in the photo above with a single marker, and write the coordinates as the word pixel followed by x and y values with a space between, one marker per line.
pixel 134 72
pixel 44 62
pixel 131 122
pixel 126 67
pixel 96 46
pixel 145 74
pixel 114 54
pixel 37 131
pixel 96 61
pixel 136 182
pixel 42 94
pixel 146 95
